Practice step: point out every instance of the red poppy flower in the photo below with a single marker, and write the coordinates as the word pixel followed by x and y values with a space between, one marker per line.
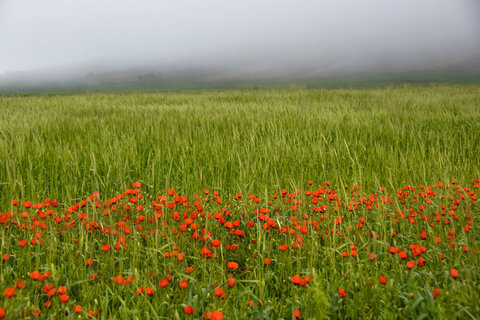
pixel 128 281
pixel 297 314
pixel 10 292
pixel 232 265
pixel 342 293
pixel 383 280
pixel 64 298
pixel 454 273
pixel 163 283
pixel 47 287
pixel 2 313
pixel 51 292
pixel 36 313
pixel 78 309
pixel 149 291
pixel 184 284
pixel 118 279
pixel 206 253
pixel 220 293
pixel 20 284
pixel 136 185
pixel 436 292
pixel 296 279
pixel 188 310
pixel 215 243
pixel 216 315
pixel 421 262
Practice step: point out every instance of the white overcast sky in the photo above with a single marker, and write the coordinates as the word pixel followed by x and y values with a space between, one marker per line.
pixel 44 33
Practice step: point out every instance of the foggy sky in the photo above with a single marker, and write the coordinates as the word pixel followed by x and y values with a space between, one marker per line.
pixel 260 35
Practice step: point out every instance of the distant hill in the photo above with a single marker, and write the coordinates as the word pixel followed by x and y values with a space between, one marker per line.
pixel 97 77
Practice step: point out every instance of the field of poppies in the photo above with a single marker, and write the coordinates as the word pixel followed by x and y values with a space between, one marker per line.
pixel 241 204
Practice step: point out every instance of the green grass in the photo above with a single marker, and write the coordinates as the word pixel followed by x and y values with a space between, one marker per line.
pixel 67 146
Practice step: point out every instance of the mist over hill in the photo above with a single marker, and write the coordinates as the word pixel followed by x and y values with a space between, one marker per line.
pixel 115 76
pixel 104 45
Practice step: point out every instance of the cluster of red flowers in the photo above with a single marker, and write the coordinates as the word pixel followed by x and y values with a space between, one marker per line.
pixel 442 213
pixel 49 291
pixel 215 315
pixel 120 280
pixel 296 279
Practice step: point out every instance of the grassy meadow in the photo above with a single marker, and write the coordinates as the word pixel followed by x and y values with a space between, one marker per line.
pixel 364 171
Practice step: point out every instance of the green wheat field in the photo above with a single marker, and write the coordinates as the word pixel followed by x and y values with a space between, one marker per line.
pixel 241 204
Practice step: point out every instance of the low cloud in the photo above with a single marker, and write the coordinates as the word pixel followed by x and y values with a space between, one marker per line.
pixel 243 38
